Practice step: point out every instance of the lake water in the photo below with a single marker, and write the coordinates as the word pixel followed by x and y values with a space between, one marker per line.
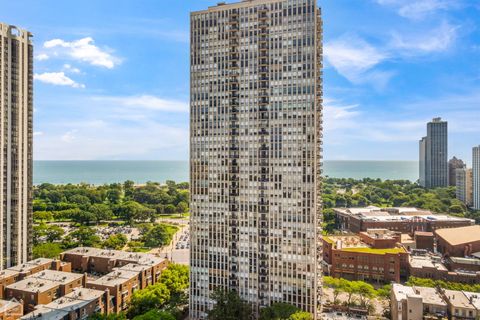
pixel 100 172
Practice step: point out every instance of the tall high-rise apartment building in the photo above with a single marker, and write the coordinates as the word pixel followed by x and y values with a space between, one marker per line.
pixel 464 184
pixel 434 155
pixel 453 165
pixel 16 111
pixel 476 177
pixel 256 134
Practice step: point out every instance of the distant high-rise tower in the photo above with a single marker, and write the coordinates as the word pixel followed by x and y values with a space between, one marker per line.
pixel 255 157
pixel 434 155
pixel 464 183
pixel 453 165
pixel 16 110
pixel 476 177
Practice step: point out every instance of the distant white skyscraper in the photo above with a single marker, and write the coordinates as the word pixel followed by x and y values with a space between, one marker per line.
pixel 16 112
pixel 433 157
pixel 476 177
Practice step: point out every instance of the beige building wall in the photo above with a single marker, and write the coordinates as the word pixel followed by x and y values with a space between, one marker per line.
pixel 16 111
pixel 256 132
pixel 464 181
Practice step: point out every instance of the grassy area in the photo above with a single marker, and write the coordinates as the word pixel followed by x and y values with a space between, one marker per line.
pixel 174 216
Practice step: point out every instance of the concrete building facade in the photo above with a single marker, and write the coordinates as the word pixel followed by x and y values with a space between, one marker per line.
pixel 476 177
pixel 16 136
pixel 434 155
pixel 255 157
pixel 453 165
pixel 464 184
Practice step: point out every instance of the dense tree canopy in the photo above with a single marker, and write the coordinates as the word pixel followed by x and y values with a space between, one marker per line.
pixel 169 294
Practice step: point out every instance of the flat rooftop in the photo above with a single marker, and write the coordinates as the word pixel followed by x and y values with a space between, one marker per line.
pixel 134 257
pixel 45 280
pixel 396 214
pixel 7 273
pixel 33 285
pixel 6 305
pixel 458 299
pixel 59 308
pixel 430 296
pixel 456 236
pixel 420 262
pixel 354 243
pixel 474 298
pixel 57 276
pixel 401 292
pixel 134 267
pixel 115 278
pixel 27 266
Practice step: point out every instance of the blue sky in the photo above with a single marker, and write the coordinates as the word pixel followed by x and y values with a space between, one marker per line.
pixel 112 77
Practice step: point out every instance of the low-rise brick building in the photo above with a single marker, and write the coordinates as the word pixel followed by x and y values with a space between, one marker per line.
pixel 78 304
pixel 102 261
pixel 424 240
pixel 10 310
pixel 121 284
pixel 403 220
pixel 435 267
pixel 7 277
pixel 458 242
pixel 34 266
pixel 355 257
pixel 44 287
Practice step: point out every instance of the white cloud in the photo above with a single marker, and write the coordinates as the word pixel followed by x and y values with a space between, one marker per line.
pixel 67 67
pixel 68 136
pixel 42 57
pixel 38 133
pixel 419 9
pixel 148 102
pixel 83 50
pixel 114 141
pixel 58 79
pixel 354 58
pixel 437 40
pixel 337 116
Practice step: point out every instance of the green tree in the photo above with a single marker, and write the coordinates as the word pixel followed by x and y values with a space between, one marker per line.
pixel 229 306
pixel 42 216
pixel 101 212
pixel 84 237
pixel 54 233
pixel 155 315
pixel 47 250
pixel 182 207
pixel 301 315
pixel 278 311
pixel 80 200
pixel 83 217
pixel 116 241
pixel 152 297
pixel 159 235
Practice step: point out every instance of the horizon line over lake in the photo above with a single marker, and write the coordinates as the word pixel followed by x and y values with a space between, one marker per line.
pixel 140 171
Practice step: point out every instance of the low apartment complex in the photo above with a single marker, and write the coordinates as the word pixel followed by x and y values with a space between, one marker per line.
pixel 121 285
pixel 78 304
pixel 374 255
pixel 104 283
pixel 404 220
pixel 44 287
pixel 419 303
